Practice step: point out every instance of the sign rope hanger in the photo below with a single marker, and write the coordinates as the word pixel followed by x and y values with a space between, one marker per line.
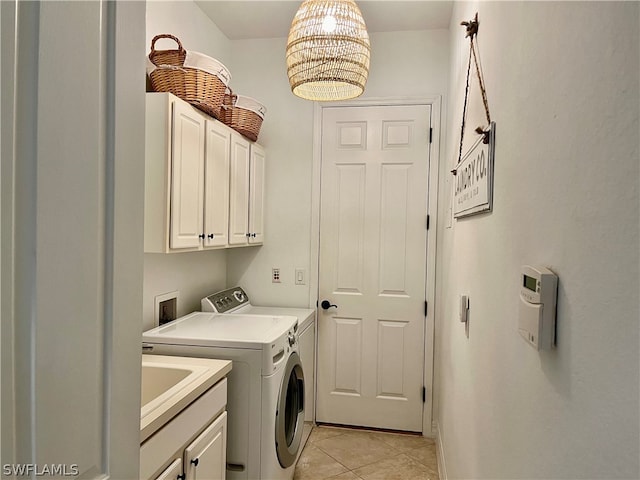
pixel 471 32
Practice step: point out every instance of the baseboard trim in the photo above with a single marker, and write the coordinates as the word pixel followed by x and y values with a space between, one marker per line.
pixel 442 468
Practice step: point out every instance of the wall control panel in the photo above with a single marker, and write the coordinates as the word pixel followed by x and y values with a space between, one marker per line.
pixel 537 310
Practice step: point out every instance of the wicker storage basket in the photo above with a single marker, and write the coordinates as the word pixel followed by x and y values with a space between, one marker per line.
pixel 192 76
pixel 243 114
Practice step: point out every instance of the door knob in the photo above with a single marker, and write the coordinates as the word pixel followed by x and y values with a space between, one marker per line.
pixel 326 304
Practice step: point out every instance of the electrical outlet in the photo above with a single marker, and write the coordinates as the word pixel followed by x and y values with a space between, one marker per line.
pixel 275 275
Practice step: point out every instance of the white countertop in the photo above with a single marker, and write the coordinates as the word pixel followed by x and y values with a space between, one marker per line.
pixel 200 374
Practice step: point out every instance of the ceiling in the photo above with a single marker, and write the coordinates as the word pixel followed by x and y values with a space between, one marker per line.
pixel 244 19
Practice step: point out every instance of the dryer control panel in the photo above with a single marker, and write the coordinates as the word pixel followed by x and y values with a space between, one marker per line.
pixel 225 301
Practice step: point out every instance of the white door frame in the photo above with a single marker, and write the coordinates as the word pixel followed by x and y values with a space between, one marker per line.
pixel 27 124
pixel 435 102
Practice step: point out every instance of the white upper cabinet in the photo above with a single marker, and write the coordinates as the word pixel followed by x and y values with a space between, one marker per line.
pixel 204 181
pixel 256 194
pixel 187 177
pixel 239 198
pixel 216 185
pixel 246 211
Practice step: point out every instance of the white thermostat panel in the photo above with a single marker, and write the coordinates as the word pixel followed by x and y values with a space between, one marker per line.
pixel 537 312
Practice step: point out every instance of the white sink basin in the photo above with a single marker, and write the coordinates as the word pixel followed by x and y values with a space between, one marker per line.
pixel 170 384
pixel 160 382
pixel 157 380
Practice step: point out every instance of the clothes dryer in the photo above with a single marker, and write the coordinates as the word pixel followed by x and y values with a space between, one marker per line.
pixel 235 300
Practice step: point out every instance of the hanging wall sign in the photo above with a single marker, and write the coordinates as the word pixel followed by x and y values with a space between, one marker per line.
pixel 473 174
pixel 473 182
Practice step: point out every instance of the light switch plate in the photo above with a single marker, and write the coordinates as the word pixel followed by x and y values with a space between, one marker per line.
pixel 301 276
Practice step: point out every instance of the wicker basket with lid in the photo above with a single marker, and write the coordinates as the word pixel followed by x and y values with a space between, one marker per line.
pixel 243 114
pixel 192 76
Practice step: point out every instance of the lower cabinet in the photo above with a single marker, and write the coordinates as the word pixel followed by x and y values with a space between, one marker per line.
pixel 193 445
pixel 173 471
pixel 206 457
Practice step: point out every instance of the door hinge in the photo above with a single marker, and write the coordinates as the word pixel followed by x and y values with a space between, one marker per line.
pixel 425 308
pixel 428 219
pixel 431 135
pixel 424 394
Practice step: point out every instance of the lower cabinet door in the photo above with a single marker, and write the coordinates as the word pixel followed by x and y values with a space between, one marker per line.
pixel 172 472
pixel 206 457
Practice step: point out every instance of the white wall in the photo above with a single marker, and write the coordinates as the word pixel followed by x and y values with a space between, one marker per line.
pixel 194 275
pixel 562 81
pixel 410 64
pixel 185 20
pixel 197 274
pixel 259 71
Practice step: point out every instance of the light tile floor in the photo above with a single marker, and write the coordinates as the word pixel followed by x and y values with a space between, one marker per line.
pixel 350 454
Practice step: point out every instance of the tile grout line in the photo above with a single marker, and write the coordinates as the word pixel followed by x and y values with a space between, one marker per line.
pixel 397 451
pixel 365 465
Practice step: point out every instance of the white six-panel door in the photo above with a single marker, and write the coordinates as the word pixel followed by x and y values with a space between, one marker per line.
pixel 374 180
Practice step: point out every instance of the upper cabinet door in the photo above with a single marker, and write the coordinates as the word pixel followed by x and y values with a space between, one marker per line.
pixel 216 184
pixel 187 177
pixel 239 193
pixel 204 182
pixel 256 194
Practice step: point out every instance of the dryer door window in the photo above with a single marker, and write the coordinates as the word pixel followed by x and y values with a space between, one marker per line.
pixel 290 413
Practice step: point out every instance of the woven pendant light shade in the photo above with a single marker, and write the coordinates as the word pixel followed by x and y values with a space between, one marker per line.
pixel 328 51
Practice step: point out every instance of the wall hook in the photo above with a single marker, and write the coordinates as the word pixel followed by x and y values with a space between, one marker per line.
pixel 471 26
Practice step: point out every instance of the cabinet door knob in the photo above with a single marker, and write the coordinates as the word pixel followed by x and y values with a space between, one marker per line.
pixel 201 236
pixel 195 462
pixel 253 235
pixel 211 235
pixel 182 476
pixel 247 235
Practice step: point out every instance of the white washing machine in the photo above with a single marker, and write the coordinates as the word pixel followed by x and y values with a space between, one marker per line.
pixel 235 300
pixel 265 404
